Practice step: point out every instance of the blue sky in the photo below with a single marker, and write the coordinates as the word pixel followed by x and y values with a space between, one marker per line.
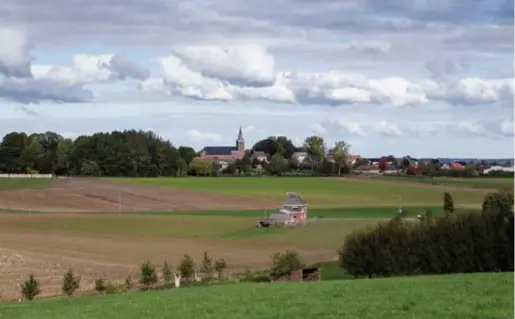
pixel 424 78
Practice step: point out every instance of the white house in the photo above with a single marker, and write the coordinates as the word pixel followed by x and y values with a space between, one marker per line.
pixel 498 168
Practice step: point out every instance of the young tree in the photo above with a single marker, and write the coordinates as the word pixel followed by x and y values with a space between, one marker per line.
pixel 383 163
pixel 30 288
pixel 128 283
pixel 207 267
pixel 498 204
pixel 70 283
pixel 148 276
pixel 448 204
pixel 285 263
pixel 100 285
pixel 340 154
pixel 187 267
pixel 277 165
pixel 220 266
pixel 167 273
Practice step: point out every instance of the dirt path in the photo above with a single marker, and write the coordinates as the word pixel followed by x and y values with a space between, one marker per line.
pixel 82 194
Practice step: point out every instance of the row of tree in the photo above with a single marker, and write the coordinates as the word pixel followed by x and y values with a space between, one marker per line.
pixel 139 153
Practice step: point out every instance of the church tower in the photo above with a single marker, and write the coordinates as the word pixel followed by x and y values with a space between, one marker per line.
pixel 240 142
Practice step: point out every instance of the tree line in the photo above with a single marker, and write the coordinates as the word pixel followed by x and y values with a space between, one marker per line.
pixel 135 153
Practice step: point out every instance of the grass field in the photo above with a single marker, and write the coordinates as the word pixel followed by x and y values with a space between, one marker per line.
pixel 319 192
pixel 481 296
pixel 22 183
pixel 479 182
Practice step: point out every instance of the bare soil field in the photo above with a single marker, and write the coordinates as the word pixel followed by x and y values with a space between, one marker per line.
pixel 82 194
pixel 48 253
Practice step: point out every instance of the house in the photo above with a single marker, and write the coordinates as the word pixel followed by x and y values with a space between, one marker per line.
pixel 301 158
pixel 225 155
pixel 293 211
pixel 453 165
pixel 259 156
pixel 351 159
pixel 499 168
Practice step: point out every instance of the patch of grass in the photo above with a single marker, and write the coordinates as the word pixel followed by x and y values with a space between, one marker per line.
pixel 318 192
pixel 474 182
pixel 479 296
pixel 22 183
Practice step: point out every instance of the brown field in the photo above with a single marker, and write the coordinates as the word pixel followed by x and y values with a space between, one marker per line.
pixel 81 194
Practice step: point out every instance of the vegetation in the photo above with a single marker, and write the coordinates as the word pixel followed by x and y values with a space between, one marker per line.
pixel 219 266
pixel 285 263
pixel 100 286
pixel 148 276
pixel 465 243
pixel 207 266
pixel 187 267
pixel 30 288
pixel 498 204
pixel 167 273
pixel 432 297
pixel 448 204
pixel 70 283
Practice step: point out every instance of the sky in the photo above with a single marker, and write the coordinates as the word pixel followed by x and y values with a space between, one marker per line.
pixel 403 77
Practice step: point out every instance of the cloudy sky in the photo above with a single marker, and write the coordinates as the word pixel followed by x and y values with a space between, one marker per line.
pixel 417 77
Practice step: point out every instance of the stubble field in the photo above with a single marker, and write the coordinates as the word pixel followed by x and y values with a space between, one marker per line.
pixel 107 228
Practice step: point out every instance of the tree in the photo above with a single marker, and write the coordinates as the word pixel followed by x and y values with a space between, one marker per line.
pixel 90 168
pixel 31 156
pixel 220 266
pixel 182 167
pixel 100 285
pixel 315 147
pixel 499 204
pixel 70 283
pixel 30 288
pixel 187 153
pixel 187 267
pixel 207 267
pixel 340 153
pixel 285 263
pixel 167 273
pixel 383 164
pixel 148 275
pixel 448 204
pixel 202 166
pixel 277 165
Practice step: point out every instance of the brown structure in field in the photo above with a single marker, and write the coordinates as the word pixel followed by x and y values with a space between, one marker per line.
pixel 305 274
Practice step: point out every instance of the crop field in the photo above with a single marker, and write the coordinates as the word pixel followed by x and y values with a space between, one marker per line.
pixel 473 182
pixel 485 296
pixel 108 227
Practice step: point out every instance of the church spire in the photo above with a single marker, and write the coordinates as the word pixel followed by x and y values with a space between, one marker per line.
pixel 240 134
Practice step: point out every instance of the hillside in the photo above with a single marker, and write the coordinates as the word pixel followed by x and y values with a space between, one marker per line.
pixel 452 296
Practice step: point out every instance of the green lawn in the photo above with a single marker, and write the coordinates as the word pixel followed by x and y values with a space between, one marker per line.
pixel 22 183
pixel 319 192
pixel 480 296
pixel 479 182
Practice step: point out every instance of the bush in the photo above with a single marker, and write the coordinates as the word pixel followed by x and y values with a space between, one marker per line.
pixel 498 204
pixel 30 288
pixel 187 267
pixel 167 273
pixel 100 286
pixel 70 283
pixel 467 243
pixel 448 204
pixel 148 276
pixel 220 266
pixel 285 263
pixel 128 283
pixel 207 267
pixel 112 288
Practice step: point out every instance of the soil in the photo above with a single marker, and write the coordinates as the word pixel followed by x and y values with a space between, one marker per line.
pixel 82 195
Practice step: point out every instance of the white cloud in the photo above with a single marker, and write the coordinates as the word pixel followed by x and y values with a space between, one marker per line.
pixel 388 129
pixel 350 126
pixel 15 58
pixel 507 127
pixel 198 136
pixel 316 128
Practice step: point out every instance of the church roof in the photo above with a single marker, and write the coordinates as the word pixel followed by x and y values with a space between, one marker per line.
pixel 293 199
pixel 219 150
pixel 240 134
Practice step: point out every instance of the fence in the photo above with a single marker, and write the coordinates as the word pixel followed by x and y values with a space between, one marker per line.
pixel 41 176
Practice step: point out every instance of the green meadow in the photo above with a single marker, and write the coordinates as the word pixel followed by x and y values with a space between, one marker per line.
pixel 22 183
pixel 479 296
pixel 473 182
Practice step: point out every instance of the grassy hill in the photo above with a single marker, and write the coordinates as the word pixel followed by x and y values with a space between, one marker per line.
pixel 453 296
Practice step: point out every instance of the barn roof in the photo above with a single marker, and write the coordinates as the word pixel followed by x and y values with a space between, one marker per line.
pixel 294 199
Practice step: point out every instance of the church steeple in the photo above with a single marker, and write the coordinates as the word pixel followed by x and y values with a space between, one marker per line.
pixel 240 142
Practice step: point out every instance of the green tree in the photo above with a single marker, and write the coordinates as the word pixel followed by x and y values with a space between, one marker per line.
pixel 70 283
pixel 30 288
pixel 182 167
pixel 187 267
pixel 63 163
pixel 148 275
pixel 30 158
pixel 315 147
pixel 277 165
pixel 167 273
pixel 340 153
pixel 90 168
pixel 285 263
pixel 498 204
pixel 202 166
pixel 220 266
pixel 207 267
pixel 448 204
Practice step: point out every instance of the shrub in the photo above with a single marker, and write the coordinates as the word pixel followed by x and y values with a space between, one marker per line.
pixel 167 273
pixel 148 276
pixel 128 283
pixel 70 283
pixel 220 266
pixel 100 286
pixel 448 204
pixel 30 288
pixel 499 204
pixel 467 243
pixel 207 267
pixel 112 288
pixel 187 267
pixel 285 263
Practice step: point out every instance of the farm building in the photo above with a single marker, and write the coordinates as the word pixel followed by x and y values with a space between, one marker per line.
pixel 293 211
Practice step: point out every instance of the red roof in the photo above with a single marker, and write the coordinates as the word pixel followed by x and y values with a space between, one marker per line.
pixel 457 166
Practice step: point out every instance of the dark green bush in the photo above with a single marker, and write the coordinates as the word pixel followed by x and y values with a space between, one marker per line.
pixel 467 243
pixel 285 263
pixel 30 288
pixel 100 286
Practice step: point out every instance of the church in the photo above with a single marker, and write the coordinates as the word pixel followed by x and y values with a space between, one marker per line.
pixel 227 154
